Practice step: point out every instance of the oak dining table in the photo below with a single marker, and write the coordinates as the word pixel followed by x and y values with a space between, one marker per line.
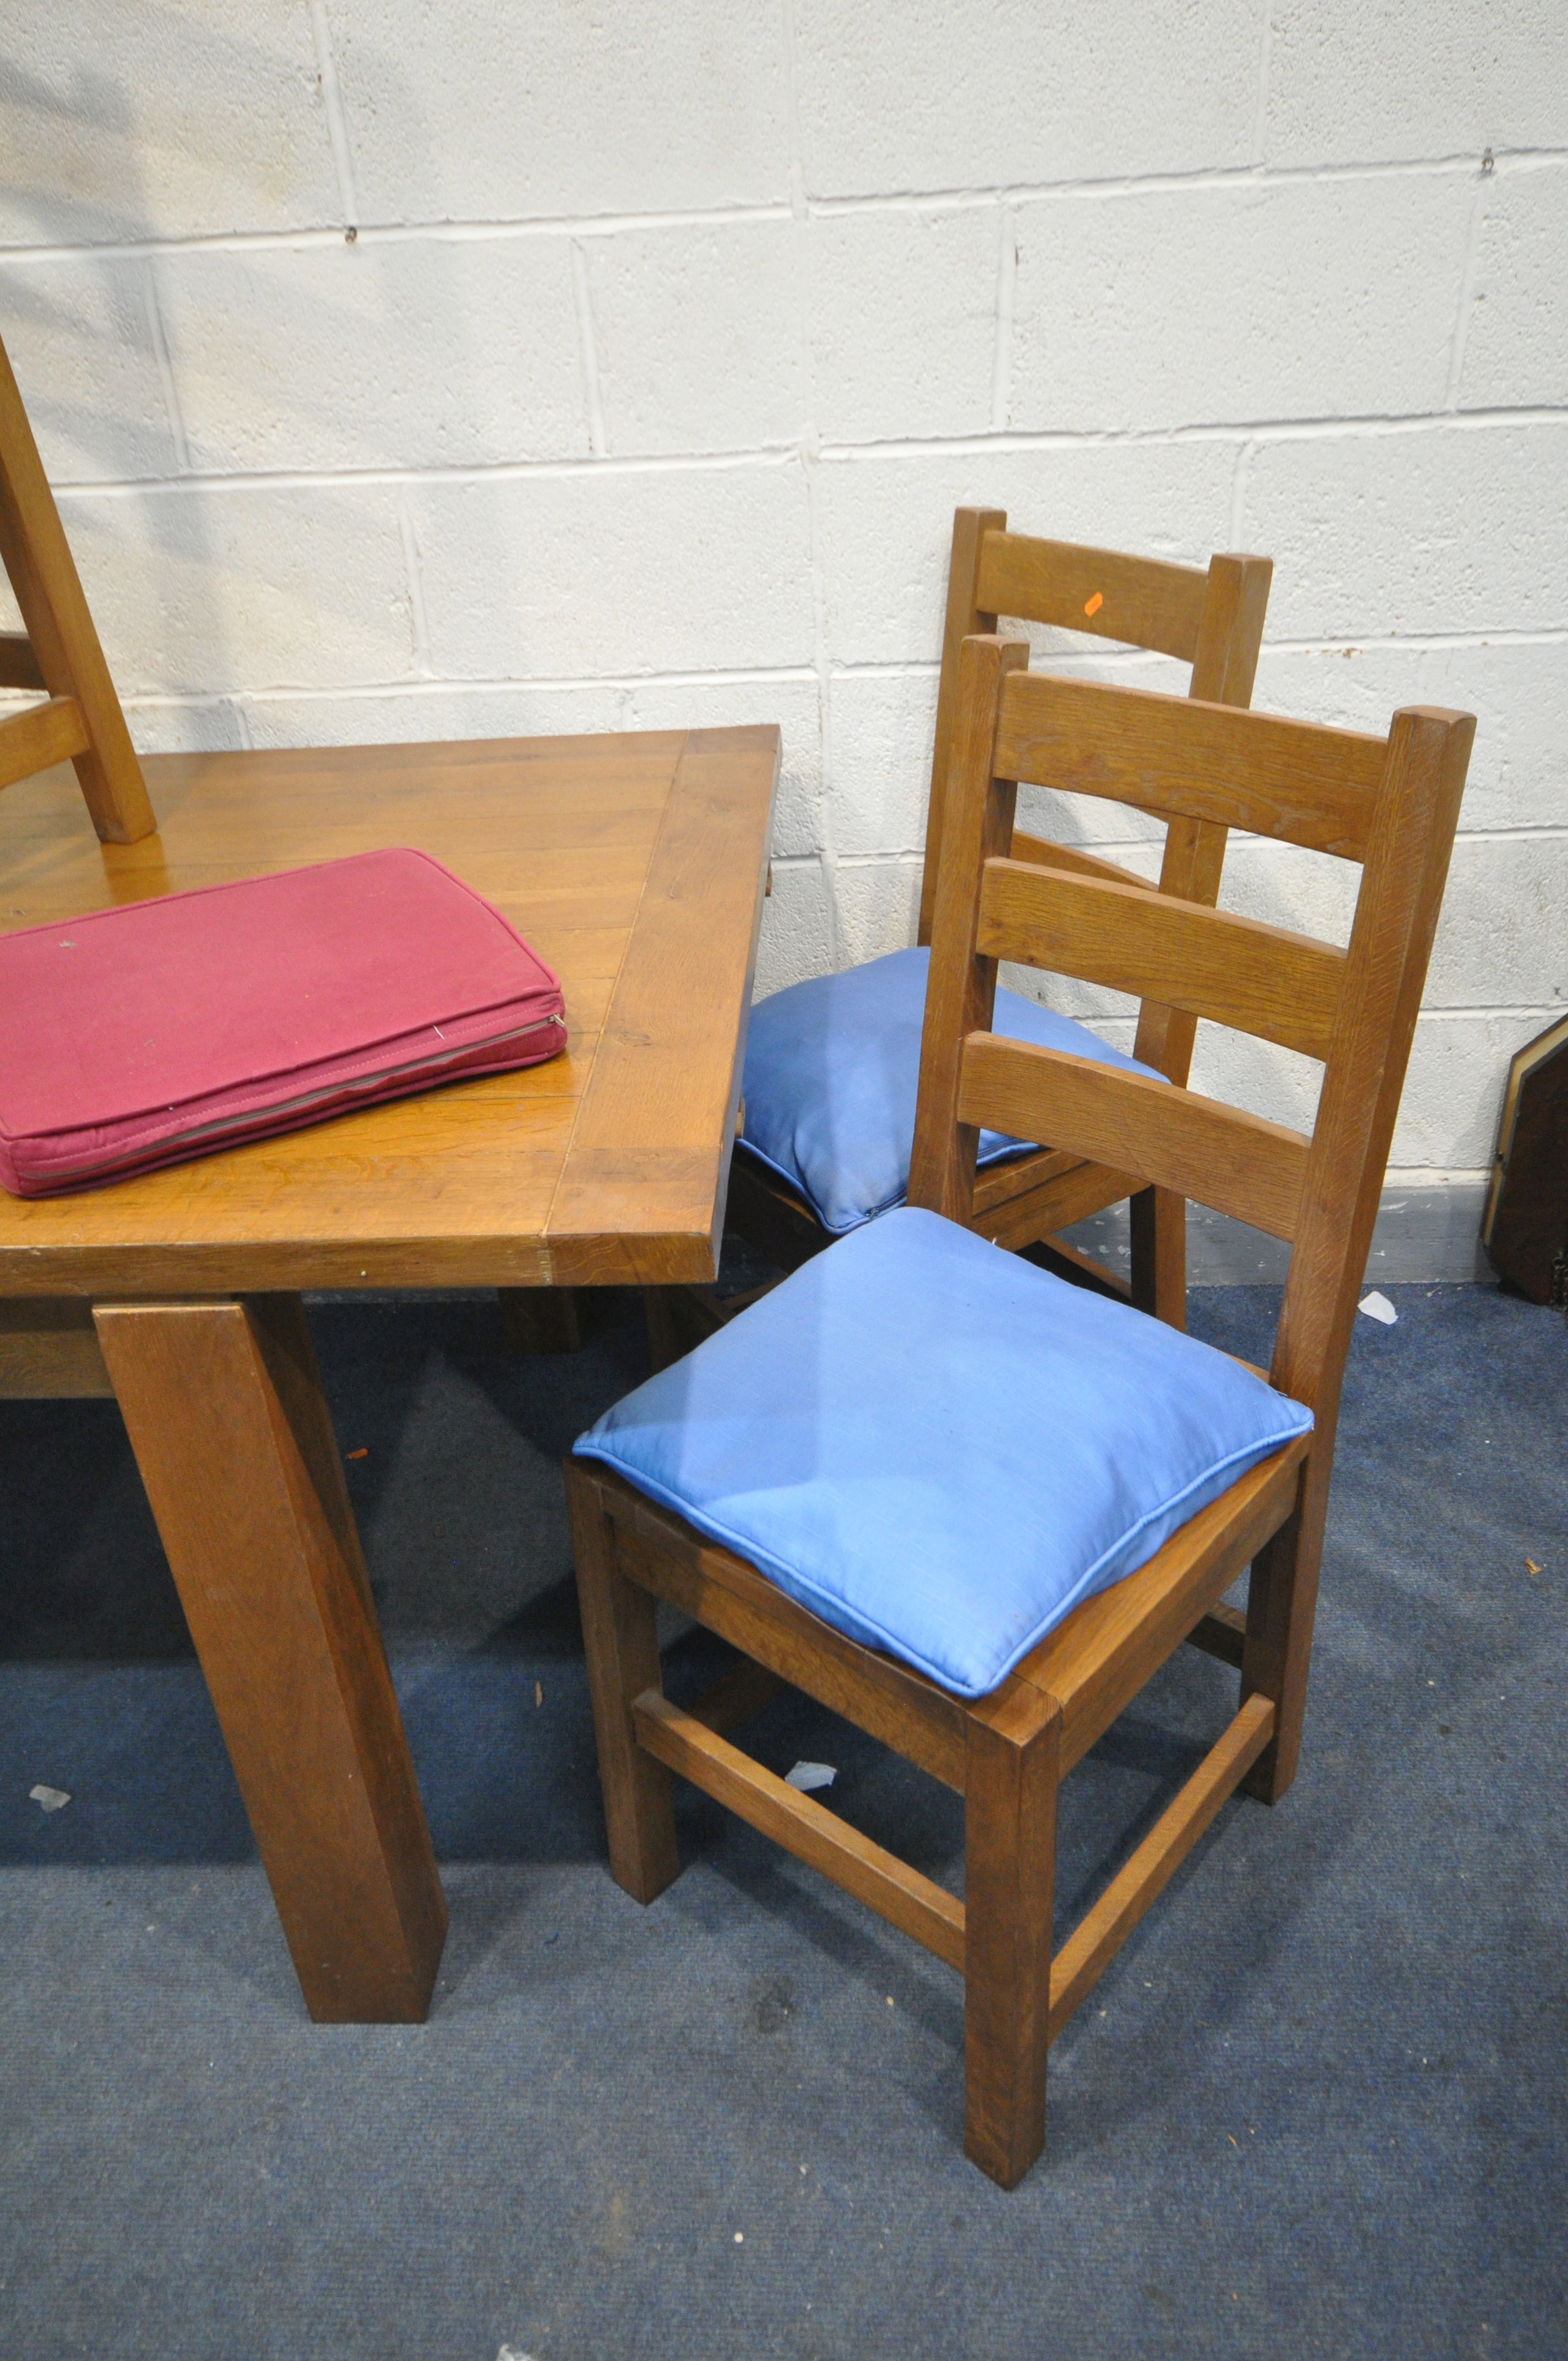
pixel 636 865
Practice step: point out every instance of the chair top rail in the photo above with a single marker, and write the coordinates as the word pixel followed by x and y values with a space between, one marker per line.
pixel 1143 601
pixel 1261 980
pixel 1168 1137
pixel 1179 757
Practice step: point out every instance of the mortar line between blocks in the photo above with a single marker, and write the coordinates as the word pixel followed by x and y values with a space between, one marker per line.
pixel 1264 58
pixel 1321 643
pixel 1229 430
pixel 1466 296
pixel 149 700
pixel 165 364
pixel 1311 430
pixel 702 217
pixel 1520 1012
pixel 1239 475
pixel 758 675
pixel 810 453
pixel 336 116
pixel 587 350
pixel 409 535
pixel 1006 288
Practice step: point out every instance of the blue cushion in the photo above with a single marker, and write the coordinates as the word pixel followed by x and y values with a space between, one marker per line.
pixel 940 1449
pixel 832 1068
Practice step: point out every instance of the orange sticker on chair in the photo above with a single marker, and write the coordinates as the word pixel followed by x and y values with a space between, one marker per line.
pixel 1092 606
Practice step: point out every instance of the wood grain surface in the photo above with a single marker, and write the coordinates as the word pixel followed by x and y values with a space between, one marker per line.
pixel 254 1515
pixel 1176 757
pixel 1175 1139
pixel 1143 602
pixel 1259 979
pixel 633 864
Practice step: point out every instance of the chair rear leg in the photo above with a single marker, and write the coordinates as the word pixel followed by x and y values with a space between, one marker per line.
pixel 622 1645
pixel 1010 1822
pixel 1158 1218
pixel 543 1319
pixel 1276 1649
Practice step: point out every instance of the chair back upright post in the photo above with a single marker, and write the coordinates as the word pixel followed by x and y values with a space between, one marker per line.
pixel 81 719
pixel 1390 805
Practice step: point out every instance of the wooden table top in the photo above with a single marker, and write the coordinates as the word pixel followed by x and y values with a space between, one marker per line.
pixel 634 865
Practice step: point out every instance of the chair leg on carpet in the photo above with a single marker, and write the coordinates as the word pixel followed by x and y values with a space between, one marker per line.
pixel 1010 1817
pixel 619 1631
pixel 1276 1648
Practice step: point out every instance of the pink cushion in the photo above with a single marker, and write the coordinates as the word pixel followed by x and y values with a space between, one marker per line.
pixel 167 1028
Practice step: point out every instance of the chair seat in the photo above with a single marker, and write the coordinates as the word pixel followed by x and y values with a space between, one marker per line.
pixel 938 1449
pixel 832 1071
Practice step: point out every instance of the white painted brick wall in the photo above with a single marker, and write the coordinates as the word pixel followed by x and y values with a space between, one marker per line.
pixel 667 342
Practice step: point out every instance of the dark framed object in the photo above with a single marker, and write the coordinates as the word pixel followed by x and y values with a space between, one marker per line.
pixel 1525 1226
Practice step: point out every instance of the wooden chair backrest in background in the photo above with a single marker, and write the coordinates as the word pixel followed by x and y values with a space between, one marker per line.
pixel 1390 805
pixel 1211 619
pixel 79 720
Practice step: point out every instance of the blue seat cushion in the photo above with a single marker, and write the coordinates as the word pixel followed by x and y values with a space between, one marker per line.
pixel 832 1070
pixel 940 1449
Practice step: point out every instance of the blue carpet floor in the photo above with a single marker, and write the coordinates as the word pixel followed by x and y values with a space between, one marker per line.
pixel 1317 2106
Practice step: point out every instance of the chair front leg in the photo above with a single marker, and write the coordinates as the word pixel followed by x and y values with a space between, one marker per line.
pixel 1010 1825
pixel 622 1645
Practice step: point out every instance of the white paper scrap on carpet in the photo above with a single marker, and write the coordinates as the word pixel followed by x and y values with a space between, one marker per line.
pixel 53 1799
pixel 807 1775
pixel 1377 1307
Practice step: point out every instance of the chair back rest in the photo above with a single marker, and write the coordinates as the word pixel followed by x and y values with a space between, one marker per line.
pixel 80 717
pixel 1211 619
pixel 1391 804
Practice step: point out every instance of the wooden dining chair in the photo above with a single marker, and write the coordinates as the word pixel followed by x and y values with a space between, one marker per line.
pixel 972 1509
pixel 1208 618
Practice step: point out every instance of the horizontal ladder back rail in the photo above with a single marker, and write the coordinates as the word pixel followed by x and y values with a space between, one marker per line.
pixel 1144 601
pixel 819 1838
pixel 1045 855
pixel 1162 1135
pixel 1262 979
pixel 1177 755
pixel 31 741
pixel 1020 1216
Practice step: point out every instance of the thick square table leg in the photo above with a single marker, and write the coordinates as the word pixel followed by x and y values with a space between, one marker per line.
pixel 235 1447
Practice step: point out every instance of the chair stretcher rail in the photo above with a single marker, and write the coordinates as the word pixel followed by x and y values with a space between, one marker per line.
pixel 914 1904
pixel 815 1836
pixel 1097 1939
